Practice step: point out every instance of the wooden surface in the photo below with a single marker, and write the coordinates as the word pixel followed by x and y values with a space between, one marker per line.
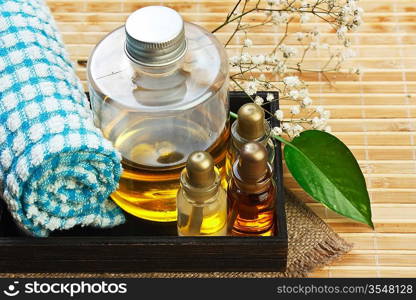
pixel 375 115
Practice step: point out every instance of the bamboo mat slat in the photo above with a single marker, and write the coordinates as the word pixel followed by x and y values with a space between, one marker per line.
pixel 374 113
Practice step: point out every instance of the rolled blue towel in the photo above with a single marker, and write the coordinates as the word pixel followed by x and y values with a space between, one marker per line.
pixel 56 168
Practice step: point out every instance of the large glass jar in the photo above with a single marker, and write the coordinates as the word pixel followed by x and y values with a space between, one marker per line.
pixel 159 91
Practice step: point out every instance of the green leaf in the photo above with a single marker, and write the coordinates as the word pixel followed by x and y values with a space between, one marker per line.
pixel 327 170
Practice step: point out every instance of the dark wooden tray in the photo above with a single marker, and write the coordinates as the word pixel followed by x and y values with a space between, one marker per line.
pixel 142 246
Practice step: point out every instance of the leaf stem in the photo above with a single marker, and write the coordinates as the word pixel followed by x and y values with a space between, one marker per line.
pixel 284 141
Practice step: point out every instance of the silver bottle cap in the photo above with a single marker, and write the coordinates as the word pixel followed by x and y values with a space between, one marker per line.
pixel 155 36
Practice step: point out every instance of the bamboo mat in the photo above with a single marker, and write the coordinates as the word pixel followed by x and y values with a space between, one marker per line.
pixel 375 115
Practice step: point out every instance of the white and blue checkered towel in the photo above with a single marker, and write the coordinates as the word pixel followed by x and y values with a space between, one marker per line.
pixel 56 169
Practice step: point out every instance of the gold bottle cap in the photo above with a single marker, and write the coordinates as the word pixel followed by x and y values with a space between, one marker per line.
pixel 200 169
pixel 251 122
pixel 252 164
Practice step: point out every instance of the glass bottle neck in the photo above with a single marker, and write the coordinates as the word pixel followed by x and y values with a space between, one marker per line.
pixel 260 186
pixel 238 141
pixel 200 196
pixel 202 199
pixel 158 71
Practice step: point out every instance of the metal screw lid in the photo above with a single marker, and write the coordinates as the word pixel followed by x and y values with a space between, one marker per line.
pixel 155 36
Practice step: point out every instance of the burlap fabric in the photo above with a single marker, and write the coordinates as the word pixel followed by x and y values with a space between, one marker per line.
pixel 312 244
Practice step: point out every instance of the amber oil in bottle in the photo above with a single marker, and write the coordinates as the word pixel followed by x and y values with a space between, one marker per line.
pixel 252 193
pixel 151 193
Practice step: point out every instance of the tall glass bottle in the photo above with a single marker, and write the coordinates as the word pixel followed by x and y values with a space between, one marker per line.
pixel 158 89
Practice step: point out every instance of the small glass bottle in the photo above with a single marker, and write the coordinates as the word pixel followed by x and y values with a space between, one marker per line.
pixel 250 126
pixel 159 91
pixel 201 200
pixel 252 193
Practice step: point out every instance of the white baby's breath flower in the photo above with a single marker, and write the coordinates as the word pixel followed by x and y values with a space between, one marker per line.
pixel 346 9
pixel 290 131
pixel 291 81
pixel 295 109
pixel 270 97
pixel 315 35
pixel 315 32
pixel 235 60
pixel 355 70
pixel 342 30
pixel 300 36
pixel 303 93
pixel 357 21
pixel 280 17
pixel 318 123
pixel 326 114
pixel 279 114
pixel 270 59
pixel 319 109
pixel 328 129
pixel 304 3
pixel 258 100
pixel 281 68
pixel 245 58
pixel 286 126
pixel 277 131
pixel 251 88
pixel 307 101
pixel 288 51
pixel 262 77
pixel 294 94
pixel 313 45
pixel 347 43
pixel 248 43
pixel 296 130
pixel 258 59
